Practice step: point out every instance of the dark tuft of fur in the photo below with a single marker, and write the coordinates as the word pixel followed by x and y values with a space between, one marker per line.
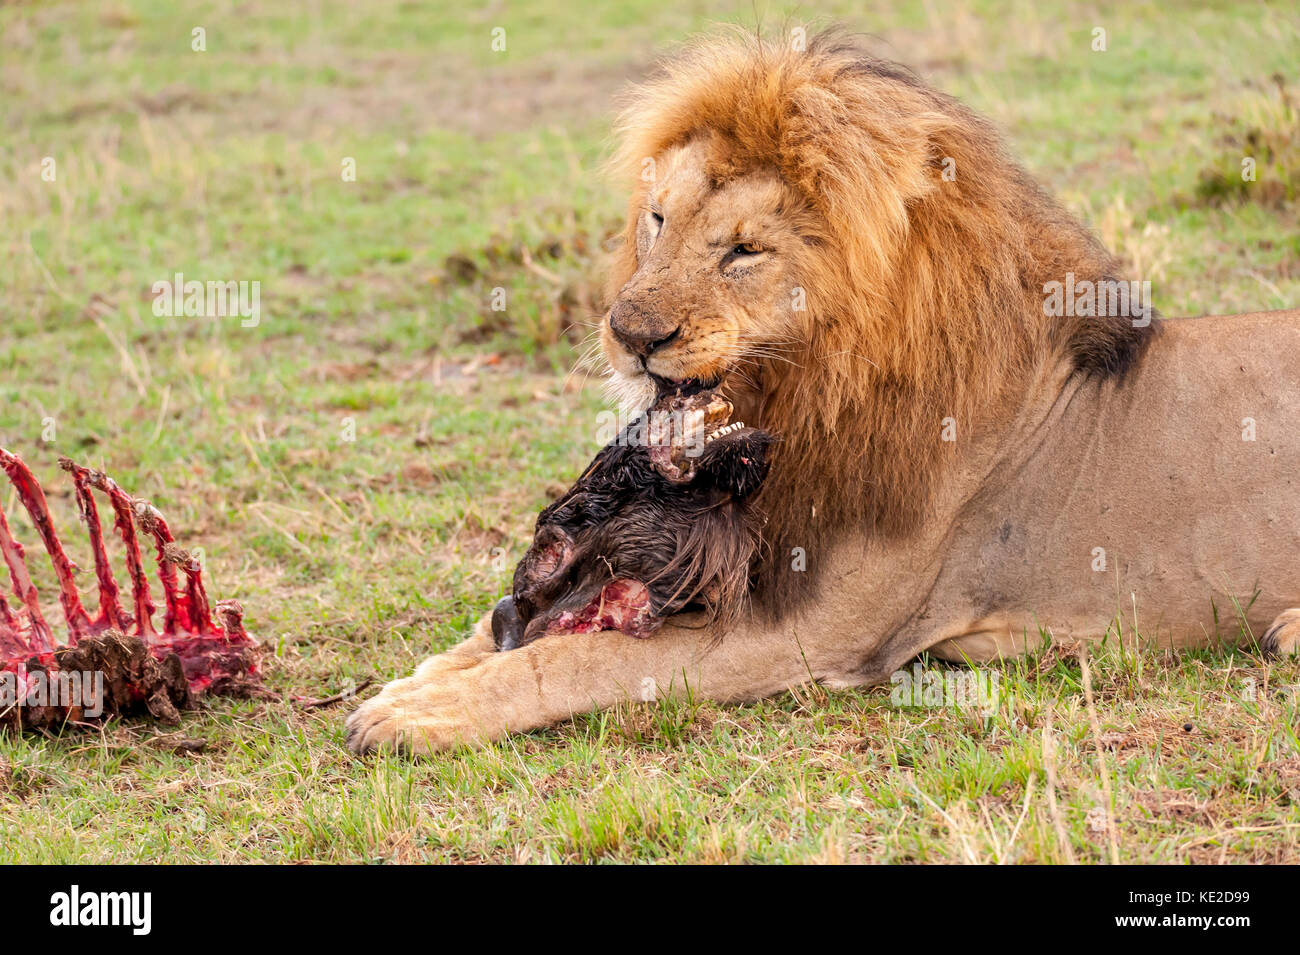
pixel 1109 346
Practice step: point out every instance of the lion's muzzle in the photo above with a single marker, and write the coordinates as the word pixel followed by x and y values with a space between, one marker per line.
pixel 641 330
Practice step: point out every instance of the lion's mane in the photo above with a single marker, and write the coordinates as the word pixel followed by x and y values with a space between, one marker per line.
pixel 924 298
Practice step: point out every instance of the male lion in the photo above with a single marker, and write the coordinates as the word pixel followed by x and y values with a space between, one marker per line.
pixel 853 259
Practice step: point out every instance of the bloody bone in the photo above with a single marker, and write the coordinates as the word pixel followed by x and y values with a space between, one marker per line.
pixel 143 668
pixel 657 523
pixel 679 426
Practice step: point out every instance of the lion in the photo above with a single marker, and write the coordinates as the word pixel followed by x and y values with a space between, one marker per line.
pixel 987 438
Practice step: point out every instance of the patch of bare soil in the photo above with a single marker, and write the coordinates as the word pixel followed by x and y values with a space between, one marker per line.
pixel 561 282
pixel 1174 804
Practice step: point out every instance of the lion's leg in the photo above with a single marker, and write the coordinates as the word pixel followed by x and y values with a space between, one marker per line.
pixel 471 694
pixel 1282 638
pixel 464 654
pixel 981 647
pixel 985 640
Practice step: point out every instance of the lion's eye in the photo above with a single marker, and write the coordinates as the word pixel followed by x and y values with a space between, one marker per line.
pixel 747 248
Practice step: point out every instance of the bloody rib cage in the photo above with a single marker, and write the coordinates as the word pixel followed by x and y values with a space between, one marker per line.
pixel 143 669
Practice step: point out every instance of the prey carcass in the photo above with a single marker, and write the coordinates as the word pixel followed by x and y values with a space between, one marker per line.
pixel 116 661
pixel 660 522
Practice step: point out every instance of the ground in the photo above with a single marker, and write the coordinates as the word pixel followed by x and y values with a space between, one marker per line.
pixel 363 466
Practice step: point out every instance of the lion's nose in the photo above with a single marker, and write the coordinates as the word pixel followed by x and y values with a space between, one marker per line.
pixel 643 345
pixel 638 334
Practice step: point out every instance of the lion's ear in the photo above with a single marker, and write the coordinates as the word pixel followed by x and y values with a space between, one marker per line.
pixel 738 462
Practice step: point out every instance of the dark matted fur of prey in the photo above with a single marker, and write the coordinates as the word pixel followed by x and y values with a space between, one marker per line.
pixel 688 541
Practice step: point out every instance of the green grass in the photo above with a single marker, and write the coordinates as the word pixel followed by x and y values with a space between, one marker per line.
pixel 356 558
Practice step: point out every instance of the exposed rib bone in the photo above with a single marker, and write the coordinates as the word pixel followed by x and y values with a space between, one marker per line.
pixel 12 643
pixel 110 613
pixel 177 616
pixel 32 498
pixel 42 638
pixel 120 501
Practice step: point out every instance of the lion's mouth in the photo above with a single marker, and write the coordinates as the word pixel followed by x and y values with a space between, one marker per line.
pixel 683 387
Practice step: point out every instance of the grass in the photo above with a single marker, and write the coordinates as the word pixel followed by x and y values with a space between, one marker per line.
pixel 362 467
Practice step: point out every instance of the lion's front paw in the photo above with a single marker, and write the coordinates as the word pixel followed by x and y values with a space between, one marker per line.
pixel 431 710
pixel 411 716
pixel 373 725
pixel 471 695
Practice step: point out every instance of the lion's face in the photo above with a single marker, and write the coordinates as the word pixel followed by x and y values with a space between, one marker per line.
pixel 715 283
pixel 856 258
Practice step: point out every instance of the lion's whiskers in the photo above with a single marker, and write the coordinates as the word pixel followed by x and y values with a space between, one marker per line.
pixel 589 357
